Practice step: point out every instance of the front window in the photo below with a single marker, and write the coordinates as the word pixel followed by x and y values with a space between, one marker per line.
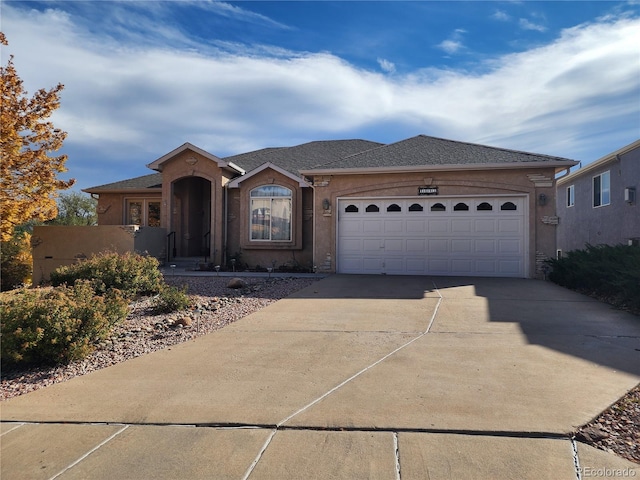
pixel 271 213
pixel 602 189
pixel 143 212
pixel 571 196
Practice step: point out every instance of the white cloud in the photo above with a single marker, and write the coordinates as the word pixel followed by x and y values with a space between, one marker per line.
pixel 127 102
pixel 501 16
pixel 529 25
pixel 454 43
pixel 386 65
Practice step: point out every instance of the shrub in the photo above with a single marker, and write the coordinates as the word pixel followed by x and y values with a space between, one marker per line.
pixel 171 299
pixel 611 273
pixel 16 261
pixel 56 325
pixel 131 273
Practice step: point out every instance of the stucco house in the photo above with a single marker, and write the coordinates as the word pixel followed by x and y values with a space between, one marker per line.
pixel 597 204
pixel 423 206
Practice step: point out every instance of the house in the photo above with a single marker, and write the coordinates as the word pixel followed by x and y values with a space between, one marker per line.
pixel 423 206
pixel 597 204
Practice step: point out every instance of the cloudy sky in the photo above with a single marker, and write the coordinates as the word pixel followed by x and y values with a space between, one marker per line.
pixel 141 78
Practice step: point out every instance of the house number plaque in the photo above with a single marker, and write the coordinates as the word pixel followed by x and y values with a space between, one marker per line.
pixel 427 190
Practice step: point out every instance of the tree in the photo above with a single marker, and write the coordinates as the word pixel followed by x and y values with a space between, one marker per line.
pixel 75 209
pixel 28 173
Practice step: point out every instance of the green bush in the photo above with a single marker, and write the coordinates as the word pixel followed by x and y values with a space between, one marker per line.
pixel 131 273
pixel 171 299
pixel 56 325
pixel 16 261
pixel 610 273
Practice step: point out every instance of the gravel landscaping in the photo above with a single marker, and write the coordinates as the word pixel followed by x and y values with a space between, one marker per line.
pixel 215 305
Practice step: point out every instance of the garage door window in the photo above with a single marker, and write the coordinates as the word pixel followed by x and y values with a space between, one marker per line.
pixel 416 207
pixel 461 207
pixel 508 206
pixel 351 209
pixel 484 207
pixel 394 207
pixel 271 213
pixel 372 208
pixel 438 207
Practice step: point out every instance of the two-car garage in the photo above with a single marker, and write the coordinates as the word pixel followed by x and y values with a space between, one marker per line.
pixel 467 236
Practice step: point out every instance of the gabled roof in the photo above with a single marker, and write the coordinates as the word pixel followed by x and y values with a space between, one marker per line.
pixel 307 155
pixel 146 183
pixel 158 164
pixel 427 153
pixel 600 162
pixel 235 183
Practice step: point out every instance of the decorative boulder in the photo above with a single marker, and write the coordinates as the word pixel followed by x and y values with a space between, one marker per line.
pixel 236 283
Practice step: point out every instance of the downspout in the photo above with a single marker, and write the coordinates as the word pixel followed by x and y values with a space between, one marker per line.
pixel 313 223
pixel 225 225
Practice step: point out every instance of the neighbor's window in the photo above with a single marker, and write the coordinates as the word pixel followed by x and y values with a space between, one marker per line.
pixel 571 195
pixel 144 212
pixel 271 213
pixel 602 189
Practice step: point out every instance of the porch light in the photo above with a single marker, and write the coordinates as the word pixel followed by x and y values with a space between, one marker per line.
pixel 326 204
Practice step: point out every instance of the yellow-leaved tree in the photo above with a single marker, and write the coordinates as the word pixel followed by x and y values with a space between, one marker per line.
pixel 28 170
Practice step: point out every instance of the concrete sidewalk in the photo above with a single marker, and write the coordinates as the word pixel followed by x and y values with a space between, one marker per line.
pixel 352 377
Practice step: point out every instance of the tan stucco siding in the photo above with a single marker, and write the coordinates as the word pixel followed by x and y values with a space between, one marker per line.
pixel 298 251
pixel 111 207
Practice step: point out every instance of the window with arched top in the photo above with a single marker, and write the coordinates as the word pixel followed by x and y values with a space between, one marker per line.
pixel 484 206
pixel 394 207
pixel 372 208
pixel 270 213
pixel 461 207
pixel 438 207
pixel 508 206
pixel 351 209
pixel 416 207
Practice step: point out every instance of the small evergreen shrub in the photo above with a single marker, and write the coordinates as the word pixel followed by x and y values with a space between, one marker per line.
pixel 56 325
pixel 610 273
pixel 171 299
pixel 131 273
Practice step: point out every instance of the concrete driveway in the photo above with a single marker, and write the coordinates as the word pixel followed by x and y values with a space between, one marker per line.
pixel 353 377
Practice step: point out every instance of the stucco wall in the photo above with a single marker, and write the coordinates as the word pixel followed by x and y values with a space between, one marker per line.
pixel 190 164
pixel 111 206
pixel 610 224
pixel 54 246
pixel 532 182
pixel 296 252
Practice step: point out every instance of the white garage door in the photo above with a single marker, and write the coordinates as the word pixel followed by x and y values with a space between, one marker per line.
pixel 476 236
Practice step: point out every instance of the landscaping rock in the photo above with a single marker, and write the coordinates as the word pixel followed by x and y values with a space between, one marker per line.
pixel 237 283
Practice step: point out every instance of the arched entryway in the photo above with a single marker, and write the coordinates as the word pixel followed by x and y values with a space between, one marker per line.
pixel 191 216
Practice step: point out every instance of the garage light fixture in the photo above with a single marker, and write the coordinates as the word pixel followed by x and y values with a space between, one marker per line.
pixel 542 199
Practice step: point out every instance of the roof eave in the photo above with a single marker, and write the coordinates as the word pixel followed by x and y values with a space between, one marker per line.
pixel 122 190
pixel 558 165
pixel 611 157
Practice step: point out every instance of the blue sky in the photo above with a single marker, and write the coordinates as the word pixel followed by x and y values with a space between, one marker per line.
pixel 141 78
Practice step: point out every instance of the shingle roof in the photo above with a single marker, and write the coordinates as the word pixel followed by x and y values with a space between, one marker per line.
pixel 299 157
pixel 153 181
pixel 423 150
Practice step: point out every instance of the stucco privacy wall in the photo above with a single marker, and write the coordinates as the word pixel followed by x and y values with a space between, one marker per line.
pixel 531 182
pixel 297 252
pixel 55 246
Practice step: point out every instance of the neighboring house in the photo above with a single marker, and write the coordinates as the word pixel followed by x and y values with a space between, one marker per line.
pixel 597 204
pixel 423 206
